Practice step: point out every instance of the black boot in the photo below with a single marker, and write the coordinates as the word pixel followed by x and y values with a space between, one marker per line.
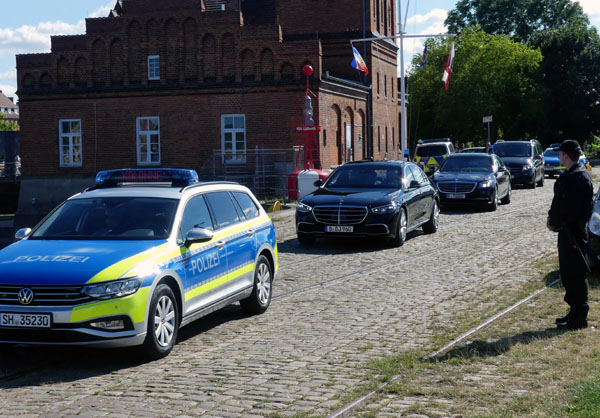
pixel 565 319
pixel 578 319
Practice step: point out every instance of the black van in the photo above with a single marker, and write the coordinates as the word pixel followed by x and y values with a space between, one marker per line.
pixel 524 159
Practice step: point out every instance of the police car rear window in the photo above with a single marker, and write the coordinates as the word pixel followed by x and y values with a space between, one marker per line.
pixel 431 150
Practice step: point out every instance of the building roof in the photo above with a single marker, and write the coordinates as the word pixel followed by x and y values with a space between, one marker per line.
pixel 6 102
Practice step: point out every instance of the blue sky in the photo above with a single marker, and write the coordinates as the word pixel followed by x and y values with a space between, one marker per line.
pixel 26 26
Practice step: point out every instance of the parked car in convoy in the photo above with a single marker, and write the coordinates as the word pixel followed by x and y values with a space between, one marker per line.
pixel 369 198
pixel 130 261
pixel 552 163
pixel 431 153
pixel 594 233
pixel 524 159
pixel 473 178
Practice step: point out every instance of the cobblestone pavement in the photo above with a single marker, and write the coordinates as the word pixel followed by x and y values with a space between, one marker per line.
pixel 336 305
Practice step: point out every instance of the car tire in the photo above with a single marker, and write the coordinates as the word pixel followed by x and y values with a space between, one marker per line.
pixel 493 205
pixel 506 199
pixel 306 239
pixel 541 182
pixel 161 337
pixel 260 298
pixel 431 226
pixel 401 229
pixel 533 183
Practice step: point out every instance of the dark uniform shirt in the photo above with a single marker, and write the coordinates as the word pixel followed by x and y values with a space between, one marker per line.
pixel 573 203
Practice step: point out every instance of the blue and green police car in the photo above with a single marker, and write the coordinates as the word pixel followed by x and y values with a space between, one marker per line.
pixel 132 259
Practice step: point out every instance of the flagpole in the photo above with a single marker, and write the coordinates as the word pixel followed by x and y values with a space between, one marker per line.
pixel 403 142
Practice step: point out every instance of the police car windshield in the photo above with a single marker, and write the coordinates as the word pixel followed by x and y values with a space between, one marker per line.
pixel 471 164
pixel 431 150
pixel 110 218
pixel 550 153
pixel 365 176
pixel 516 149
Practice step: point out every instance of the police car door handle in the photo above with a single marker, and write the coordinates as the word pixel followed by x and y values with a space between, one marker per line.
pixel 250 232
pixel 219 244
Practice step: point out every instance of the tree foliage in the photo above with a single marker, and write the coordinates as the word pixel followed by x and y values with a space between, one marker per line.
pixel 492 75
pixel 6 125
pixel 568 91
pixel 520 19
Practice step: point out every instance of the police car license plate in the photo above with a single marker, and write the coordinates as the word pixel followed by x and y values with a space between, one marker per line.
pixel 339 228
pixel 455 196
pixel 24 320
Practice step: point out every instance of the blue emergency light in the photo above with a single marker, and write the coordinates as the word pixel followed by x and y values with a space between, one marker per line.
pixel 177 177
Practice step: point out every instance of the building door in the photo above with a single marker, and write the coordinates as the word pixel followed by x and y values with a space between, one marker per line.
pixel 349 149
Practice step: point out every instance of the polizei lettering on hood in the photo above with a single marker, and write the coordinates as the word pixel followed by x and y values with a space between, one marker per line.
pixel 49 259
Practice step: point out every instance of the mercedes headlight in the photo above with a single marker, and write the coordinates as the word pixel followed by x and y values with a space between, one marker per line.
pixel 389 208
pixel 303 208
pixel 527 167
pixel 486 184
pixel 595 223
pixel 110 290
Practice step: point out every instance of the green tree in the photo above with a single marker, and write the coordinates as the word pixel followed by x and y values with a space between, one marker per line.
pixel 520 19
pixel 493 75
pixel 6 125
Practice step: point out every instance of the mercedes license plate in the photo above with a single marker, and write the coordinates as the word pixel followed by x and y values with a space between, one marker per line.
pixel 339 228
pixel 455 196
pixel 10 319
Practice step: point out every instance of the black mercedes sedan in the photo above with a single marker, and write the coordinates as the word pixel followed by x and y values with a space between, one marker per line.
pixel 369 198
pixel 473 178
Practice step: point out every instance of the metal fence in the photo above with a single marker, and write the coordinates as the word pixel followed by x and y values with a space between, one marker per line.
pixel 264 171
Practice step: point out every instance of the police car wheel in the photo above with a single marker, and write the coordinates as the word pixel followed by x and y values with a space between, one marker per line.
pixel 401 229
pixel 260 298
pixel 432 225
pixel 163 323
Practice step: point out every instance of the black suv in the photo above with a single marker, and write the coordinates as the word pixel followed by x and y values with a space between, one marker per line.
pixel 369 198
pixel 524 159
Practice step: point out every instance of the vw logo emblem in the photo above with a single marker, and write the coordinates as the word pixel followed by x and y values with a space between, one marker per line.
pixel 25 296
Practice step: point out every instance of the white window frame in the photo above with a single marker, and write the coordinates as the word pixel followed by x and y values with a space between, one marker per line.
pixel 233 131
pixel 140 133
pixel 153 67
pixel 69 137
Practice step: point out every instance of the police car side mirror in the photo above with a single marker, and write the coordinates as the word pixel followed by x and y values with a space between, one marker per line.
pixel 198 235
pixel 22 233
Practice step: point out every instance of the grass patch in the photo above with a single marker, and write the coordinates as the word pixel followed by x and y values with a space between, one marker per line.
pixel 520 365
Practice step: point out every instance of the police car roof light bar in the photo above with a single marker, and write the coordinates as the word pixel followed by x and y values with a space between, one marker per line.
pixel 177 177
pixel 429 141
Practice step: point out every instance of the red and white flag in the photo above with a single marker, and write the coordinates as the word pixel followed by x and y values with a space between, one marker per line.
pixel 448 67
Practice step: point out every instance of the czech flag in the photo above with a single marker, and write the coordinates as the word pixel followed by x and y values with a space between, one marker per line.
pixel 358 62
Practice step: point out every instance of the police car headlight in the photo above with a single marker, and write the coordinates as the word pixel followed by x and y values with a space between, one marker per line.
pixel 111 290
pixel 385 209
pixel 303 208
pixel 595 223
pixel 485 184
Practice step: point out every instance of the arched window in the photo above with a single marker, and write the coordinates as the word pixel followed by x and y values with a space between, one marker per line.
pixel 267 65
pixel 248 65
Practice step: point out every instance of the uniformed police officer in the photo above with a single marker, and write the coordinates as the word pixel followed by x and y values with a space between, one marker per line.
pixel 571 208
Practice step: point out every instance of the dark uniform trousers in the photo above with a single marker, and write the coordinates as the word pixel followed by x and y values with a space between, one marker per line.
pixel 573 273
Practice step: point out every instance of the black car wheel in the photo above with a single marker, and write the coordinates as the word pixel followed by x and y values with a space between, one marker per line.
pixel 432 225
pixel 401 229
pixel 541 182
pixel 533 182
pixel 260 298
pixel 306 239
pixel 506 199
pixel 493 205
pixel 163 323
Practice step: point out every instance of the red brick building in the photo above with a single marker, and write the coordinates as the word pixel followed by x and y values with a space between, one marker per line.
pixel 174 83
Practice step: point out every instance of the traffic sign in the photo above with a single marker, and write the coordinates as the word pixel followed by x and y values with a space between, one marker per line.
pixel 487 119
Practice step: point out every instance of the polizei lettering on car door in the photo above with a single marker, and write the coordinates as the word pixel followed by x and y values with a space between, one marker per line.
pixel 205 262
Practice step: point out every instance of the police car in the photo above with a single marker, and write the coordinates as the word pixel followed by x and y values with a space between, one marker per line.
pixel 431 153
pixel 131 260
